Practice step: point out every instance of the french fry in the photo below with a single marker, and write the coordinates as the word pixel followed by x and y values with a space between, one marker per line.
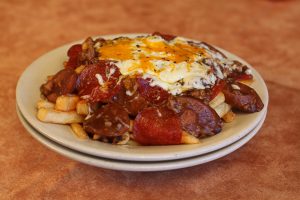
pixel 44 104
pixel 82 108
pixel 85 46
pixel 79 69
pixel 220 98
pixel 79 131
pixel 187 138
pixel 96 137
pixel 132 143
pixel 58 117
pixel 229 116
pixel 222 109
pixel 247 82
pixel 131 126
pixel 66 103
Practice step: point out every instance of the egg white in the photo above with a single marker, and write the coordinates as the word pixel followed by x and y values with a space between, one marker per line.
pixel 175 66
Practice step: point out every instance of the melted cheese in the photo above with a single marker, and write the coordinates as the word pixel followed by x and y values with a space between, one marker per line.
pixel 176 66
pixel 100 79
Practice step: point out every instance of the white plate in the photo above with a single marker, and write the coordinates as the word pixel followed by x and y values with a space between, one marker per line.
pixel 138 166
pixel 27 94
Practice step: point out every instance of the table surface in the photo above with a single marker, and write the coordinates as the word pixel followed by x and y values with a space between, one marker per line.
pixel 263 32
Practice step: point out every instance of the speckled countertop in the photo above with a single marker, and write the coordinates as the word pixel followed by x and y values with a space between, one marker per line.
pixel 265 33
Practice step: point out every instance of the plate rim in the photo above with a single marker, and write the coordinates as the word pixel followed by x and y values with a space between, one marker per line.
pixel 137 166
pixel 126 155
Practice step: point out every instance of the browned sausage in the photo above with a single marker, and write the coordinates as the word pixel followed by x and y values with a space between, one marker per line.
pixel 63 82
pixel 89 55
pixel 196 117
pixel 239 72
pixel 130 98
pixel 110 120
pixel 133 104
pixel 164 36
pixel 203 94
pixel 157 126
pixel 242 97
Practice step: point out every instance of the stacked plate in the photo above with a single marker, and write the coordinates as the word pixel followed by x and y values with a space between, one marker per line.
pixel 122 157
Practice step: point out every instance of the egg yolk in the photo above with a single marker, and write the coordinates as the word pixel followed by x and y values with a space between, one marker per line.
pixel 145 50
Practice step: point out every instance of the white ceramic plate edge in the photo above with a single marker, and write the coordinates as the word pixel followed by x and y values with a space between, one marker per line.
pixel 138 166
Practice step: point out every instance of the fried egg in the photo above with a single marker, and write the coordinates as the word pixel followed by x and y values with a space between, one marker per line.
pixel 176 65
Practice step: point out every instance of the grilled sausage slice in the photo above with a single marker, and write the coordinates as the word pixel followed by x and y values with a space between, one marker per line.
pixel 110 120
pixel 157 126
pixel 242 97
pixel 129 97
pixel 99 82
pixel 165 36
pixel 196 117
pixel 64 82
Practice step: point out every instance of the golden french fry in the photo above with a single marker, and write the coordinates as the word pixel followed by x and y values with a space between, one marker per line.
pixel 82 108
pixel 66 102
pixel 58 117
pixel 187 138
pixel 132 143
pixel 229 116
pixel 131 126
pixel 246 82
pixel 222 109
pixel 44 104
pixel 96 137
pixel 79 131
pixel 79 69
pixel 85 46
pixel 220 98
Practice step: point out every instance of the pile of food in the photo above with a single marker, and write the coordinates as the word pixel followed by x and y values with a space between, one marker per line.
pixel 154 90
